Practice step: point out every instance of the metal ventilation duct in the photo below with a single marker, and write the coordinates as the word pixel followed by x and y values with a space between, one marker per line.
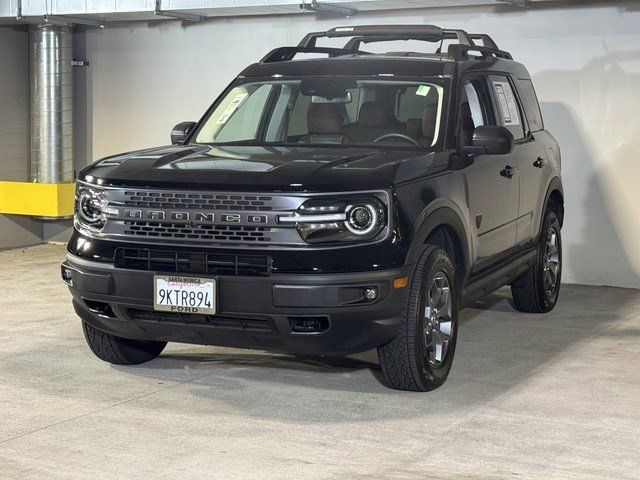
pixel 51 78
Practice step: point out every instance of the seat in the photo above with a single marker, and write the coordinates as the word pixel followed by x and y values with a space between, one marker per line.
pixel 372 123
pixel 324 124
pixel 424 129
pixel 372 115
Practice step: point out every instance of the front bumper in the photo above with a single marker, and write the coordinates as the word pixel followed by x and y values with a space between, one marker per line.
pixel 253 312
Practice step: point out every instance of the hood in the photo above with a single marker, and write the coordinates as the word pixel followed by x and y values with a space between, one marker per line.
pixel 252 168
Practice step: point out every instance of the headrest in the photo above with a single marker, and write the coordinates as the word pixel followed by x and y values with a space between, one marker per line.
pixel 429 122
pixel 324 119
pixel 372 115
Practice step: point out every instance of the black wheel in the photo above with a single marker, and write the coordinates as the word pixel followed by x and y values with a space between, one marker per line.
pixel 420 357
pixel 120 351
pixel 537 290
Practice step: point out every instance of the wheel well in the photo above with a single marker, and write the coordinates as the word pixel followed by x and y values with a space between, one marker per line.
pixel 446 238
pixel 556 203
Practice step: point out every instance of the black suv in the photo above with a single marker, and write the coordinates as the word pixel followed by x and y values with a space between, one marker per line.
pixel 326 206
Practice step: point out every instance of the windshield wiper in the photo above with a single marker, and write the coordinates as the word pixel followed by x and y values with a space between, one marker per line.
pixel 249 143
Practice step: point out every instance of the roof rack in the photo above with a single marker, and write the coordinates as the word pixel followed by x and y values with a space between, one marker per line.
pixel 385 33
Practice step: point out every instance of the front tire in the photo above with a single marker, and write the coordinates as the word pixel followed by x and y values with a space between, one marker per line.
pixel 120 351
pixel 420 357
pixel 538 289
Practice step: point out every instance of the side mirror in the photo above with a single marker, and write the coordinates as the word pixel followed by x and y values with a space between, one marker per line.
pixel 181 131
pixel 490 140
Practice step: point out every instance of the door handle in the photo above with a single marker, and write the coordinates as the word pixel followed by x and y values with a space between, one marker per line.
pixel 508 171
pixel 539 163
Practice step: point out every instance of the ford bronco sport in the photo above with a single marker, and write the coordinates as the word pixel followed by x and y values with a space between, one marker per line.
pixel 326 206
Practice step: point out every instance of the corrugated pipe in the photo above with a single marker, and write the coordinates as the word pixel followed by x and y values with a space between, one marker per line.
pixel 51 79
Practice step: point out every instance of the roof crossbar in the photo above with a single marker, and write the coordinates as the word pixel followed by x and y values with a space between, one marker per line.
pixel 355 43
pixel 487 41
pixel 409 32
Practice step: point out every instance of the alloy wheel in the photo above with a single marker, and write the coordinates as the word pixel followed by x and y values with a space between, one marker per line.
pixel 551 262
pixel 438 319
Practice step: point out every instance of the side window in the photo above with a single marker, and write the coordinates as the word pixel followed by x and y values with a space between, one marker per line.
pixel 475 109
pixel 531 105
pixel 507 104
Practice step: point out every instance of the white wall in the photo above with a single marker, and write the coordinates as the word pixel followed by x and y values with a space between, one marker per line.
pixel 585 61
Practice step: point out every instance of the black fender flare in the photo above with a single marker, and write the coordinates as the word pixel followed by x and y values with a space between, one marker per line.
pixel 439 214
pixel 554 185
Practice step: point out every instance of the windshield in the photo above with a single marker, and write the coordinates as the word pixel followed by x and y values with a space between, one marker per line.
pixel 327 111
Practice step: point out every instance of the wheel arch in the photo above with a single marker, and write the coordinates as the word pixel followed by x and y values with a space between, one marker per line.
pixel 444 226
pixel 554 198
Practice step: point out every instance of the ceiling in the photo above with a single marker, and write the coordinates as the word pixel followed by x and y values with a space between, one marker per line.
pixel 130 10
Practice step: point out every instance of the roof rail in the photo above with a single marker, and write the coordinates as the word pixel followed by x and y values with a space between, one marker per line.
pixel 460 52
pixel 428 33
pixel 286 54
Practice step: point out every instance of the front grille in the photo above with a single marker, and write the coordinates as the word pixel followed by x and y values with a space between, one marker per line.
pixel 193 262
pixel 240 323
pixel 146 199
pixel 223 233
pixel 187 217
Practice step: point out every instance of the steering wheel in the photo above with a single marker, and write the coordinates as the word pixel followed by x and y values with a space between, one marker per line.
pixel 401 136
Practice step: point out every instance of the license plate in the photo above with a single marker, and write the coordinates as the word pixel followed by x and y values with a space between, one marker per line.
pixel 184 294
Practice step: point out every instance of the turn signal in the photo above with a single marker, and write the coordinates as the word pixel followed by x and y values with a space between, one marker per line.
pixel 399 283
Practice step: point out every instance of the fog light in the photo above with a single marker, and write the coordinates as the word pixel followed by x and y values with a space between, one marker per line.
pixel 67 276
pixel 371 294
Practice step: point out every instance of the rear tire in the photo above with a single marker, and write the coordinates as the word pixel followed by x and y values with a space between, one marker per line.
pixel 120 351
pixel 537 290
pixel 419 358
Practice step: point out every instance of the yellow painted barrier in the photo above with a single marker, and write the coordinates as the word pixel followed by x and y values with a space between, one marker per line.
pixel 37 199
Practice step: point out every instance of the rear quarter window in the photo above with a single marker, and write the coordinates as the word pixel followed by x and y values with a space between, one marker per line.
pixel 530 104
pixel 509 112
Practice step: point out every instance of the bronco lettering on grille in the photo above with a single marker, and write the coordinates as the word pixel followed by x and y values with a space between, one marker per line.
pixel 199 217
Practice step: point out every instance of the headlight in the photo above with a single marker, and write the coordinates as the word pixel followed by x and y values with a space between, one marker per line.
pixel 362 219
pixel 351 219
pixel 90 208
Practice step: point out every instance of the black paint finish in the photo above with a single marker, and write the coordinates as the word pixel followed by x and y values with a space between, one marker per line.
pixel 492 219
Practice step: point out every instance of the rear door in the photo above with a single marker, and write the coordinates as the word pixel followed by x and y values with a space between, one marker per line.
pixel 531 157
pixel 492 181
pixel 535 169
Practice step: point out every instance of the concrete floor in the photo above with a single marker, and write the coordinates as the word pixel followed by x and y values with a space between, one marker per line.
pixel 553 396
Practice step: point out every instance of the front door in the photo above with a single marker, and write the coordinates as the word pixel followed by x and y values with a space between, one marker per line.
pixel 492 180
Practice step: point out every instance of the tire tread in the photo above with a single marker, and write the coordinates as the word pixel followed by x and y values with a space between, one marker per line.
pixel 398 358
pixel 528 291
pixel 120 351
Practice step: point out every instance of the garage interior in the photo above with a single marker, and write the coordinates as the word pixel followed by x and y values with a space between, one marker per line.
pixel 552 396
